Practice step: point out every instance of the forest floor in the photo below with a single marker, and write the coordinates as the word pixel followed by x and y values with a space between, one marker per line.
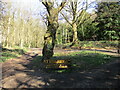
pixel 17 73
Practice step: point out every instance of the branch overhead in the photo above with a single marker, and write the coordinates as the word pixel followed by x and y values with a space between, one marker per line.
pixel 65 17
pixel 61 6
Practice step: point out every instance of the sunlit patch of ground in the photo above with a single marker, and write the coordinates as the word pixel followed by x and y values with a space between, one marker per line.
pixel 90 70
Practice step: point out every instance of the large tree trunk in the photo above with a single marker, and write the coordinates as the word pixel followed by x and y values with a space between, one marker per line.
pixel 74 27
pixel 50 36
pixel 75 37
pixel 8 32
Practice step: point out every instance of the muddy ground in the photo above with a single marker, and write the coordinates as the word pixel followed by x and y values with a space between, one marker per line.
pixel 16 73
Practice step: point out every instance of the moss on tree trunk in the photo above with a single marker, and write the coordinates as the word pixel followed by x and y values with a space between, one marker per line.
pixel 50 36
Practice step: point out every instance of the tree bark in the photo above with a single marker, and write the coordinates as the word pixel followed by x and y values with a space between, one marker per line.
pixel 50 36
pixel 8 31
pixel 75 38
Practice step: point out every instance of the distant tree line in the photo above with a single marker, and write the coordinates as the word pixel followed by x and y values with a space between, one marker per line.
pixel 19 27
pixel 103 24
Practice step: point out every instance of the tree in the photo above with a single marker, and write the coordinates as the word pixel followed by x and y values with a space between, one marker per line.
pixel 108 17
pixel 79 16
pixel 87 30
pixel 109 20
pixel 52 26
pixel 19 27
pixel 64 34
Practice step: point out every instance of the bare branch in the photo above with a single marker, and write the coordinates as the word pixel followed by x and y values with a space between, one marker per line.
pixel 82 16
pixel 87 19
pixel 45 18
pixel 48 5
pixel 45 4
pixel 61 6
pixel 74 10
pixel 79 16
pixel 65 17
pixel 79 13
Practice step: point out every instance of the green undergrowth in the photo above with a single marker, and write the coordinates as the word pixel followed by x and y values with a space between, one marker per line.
pixel 10 53
pixel 92 44
pixel 82 60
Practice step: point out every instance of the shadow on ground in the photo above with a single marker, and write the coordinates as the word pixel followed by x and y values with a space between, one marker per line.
pixel 20 51
pixel 27 72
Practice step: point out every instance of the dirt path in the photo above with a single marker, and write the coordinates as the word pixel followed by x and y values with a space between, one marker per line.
pixel 18 74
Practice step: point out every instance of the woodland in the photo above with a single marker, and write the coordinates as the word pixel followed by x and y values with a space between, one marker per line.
pixel 65 38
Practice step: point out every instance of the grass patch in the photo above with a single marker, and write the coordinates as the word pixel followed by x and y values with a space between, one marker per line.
pixel 93 44
pixel 82 60
pixel 10 53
